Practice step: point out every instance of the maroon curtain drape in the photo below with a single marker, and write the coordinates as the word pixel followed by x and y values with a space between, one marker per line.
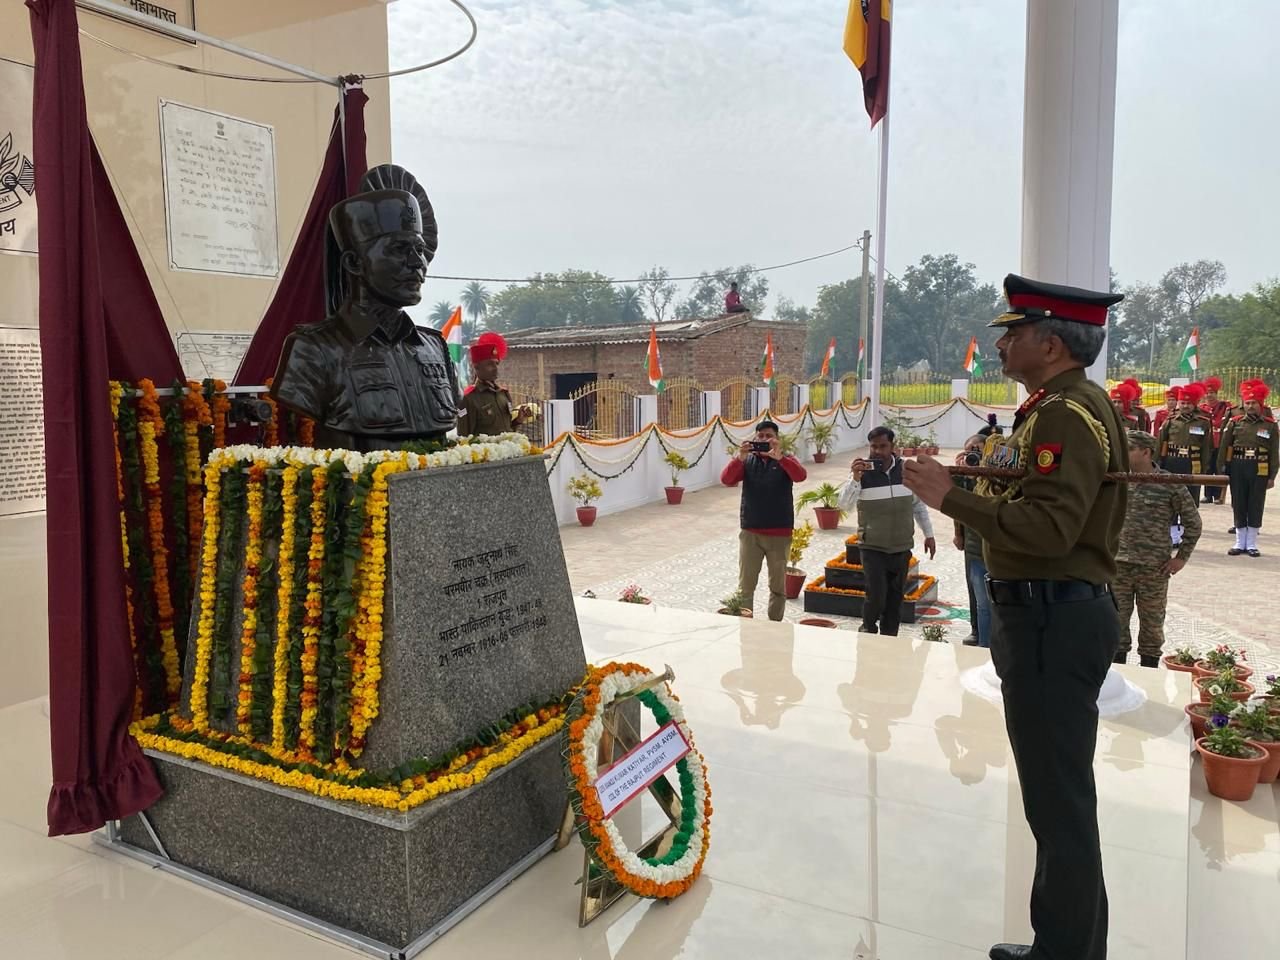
pixel 300 297
pixel 99 772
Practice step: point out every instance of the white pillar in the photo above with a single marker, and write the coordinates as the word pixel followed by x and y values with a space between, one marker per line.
pixel 959 388
pixel 560 417
pixel 802 395
pixel 1068 139
pixel 866 390
pixel 761 395
pixel 646 410
pixel 710 405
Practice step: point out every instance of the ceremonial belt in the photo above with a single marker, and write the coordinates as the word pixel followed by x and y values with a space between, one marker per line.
pixel 1249 453
pixel 1022 593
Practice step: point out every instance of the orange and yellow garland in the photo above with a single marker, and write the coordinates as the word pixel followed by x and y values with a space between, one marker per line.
pixel 195 414
pixel 313 616
pixel 208 590
pixel 117 393
pixel 280 663
pixel 221 405
pixel 252 570
pixel 150 425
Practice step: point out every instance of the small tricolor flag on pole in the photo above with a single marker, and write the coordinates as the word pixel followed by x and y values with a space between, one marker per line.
pixel 653 362
pixel 452 333
pixel 1191 354
pixel 862 353
pixel 828 357
pixel 973 359
pixel 766 364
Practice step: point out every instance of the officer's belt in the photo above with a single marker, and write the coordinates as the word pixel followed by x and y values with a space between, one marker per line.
pixel 1022 593
pixel 1248 453
pixel 1181 451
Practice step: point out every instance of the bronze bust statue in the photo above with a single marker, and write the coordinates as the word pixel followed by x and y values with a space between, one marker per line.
pixel 368 376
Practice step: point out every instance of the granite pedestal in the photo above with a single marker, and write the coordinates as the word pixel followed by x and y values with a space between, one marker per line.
pixel 479 621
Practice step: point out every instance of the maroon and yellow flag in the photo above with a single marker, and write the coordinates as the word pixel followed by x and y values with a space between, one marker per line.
pixel 866 41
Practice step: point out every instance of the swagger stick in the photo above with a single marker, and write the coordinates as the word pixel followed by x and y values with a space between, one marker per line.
pixel 1189 479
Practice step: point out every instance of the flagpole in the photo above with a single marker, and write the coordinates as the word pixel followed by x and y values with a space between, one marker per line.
pixel 877 314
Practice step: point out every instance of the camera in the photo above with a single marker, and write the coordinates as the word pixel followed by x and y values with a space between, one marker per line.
pixel 972 458
pixel 760 446
pixel 877 463
pixel 249 410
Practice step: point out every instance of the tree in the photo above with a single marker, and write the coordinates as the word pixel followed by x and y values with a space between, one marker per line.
pixel 834 315
pixel 1188 285
pixel 475 301
pixel 630 307
pixel 658 291
pixel 568 299
pixel 933 310
pixel 1145 324
pixel 706 294
pixel 1250 331
pixel 440 313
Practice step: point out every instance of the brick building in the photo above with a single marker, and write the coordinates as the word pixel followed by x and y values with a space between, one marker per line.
pixel 558 360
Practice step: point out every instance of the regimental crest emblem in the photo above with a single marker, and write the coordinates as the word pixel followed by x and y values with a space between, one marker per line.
pixel 17 176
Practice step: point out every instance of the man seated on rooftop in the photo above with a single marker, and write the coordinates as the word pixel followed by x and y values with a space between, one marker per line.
pixel 732 300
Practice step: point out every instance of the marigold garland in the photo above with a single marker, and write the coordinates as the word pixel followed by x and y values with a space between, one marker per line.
pixel 220 404
pixel 313 618
pixel 249 589
pixel 150 425
pixel 306 431
pixel 819 585
pixel 656 877
pixel 176 435
pixel 284 601
pixel 272 426
pixel 199 702
pixel 195 415
pixel 117 392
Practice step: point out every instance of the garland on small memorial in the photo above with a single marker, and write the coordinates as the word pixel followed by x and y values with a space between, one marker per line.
pixel 819 585
pixel 150 426
pixel 117 393
pixel 662 877
pixel 176 436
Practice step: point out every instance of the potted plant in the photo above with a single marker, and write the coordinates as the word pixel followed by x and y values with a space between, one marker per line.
pixel 1272 693
pixel 584 489
pixel 1230 761
pixel 934 632
pixel 632 594
pixel 909 444
pixel 1260 726
pixel 800 538
pixel 823 498
pixel 818 622
pixel 1220 658
pixel 1225 682
pixel 1199 713
pixel 1182 660
pixel 735 605
pixel 823 437
pixel 677 464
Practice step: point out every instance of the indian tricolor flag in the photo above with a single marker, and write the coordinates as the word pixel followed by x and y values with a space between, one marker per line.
pixel 973 359
pixel 828 357
pixel 452 333
pixel 653 362
pixel 1191 354
pixel 766 364
pixel 862 353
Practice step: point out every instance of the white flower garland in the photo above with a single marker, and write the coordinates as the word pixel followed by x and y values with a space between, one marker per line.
pixel 635 871
pixel 506 446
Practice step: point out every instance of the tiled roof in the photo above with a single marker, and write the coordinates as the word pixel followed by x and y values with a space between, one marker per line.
pixel 690 329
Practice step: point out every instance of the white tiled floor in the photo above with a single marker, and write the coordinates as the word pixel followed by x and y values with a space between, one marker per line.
pixel 866 806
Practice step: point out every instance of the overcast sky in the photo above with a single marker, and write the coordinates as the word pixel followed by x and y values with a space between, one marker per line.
pixel 617 134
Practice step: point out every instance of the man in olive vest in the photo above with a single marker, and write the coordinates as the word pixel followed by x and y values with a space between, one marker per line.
pixel 368 376
pixel 887 514
pixel 1050 539
pixel 1249 452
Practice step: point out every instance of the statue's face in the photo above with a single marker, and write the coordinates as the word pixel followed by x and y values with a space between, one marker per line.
pixel 394 267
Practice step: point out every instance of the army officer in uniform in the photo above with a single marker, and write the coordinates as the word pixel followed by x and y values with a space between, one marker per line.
pixel 486 407
pixel 368 376
pixel 1049 541
pixel 1249 452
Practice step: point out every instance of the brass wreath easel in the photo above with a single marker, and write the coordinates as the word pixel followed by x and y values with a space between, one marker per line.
pixel 599 888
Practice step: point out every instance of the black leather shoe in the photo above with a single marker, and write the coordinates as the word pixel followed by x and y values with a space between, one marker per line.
pixel 1011 951
pixel 1234 552
pixel 1121 657
pixel 970 641
pixel 868 628
pixel 1148 661
pixel 1232 530
pixel 1254 553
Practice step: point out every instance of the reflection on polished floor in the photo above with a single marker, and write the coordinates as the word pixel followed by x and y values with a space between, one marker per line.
pixel 866 807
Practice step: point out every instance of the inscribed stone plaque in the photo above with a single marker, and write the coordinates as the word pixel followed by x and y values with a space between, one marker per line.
pixel 219 192
pixel 480 615
pixel 215 355
pixel 21 422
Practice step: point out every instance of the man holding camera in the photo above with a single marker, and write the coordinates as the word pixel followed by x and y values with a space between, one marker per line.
pixel 886 534
pixel 767 513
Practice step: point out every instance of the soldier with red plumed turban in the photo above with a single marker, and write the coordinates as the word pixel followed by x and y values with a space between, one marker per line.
pixel 1186 438
pixel 486 407
pixel 1219 412
pixel 1249 454
pixel 1171 397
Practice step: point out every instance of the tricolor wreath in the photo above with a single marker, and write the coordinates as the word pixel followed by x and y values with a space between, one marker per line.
pixel 656 877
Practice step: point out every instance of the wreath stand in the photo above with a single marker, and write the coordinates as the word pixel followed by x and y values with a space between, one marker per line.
pixel 621 733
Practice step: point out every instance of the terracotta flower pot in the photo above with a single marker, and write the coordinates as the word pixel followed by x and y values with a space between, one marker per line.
pixel 1269 772
pixel 828 517
pixel 820 456
pixel 818 622
pixel 795 582
pixel 1198 714
pixel 1178 667
pixel 1240 670
pixel 586 516
pixel 908 451
pixel 1231 778
pixel 1203 683
pixel 674 494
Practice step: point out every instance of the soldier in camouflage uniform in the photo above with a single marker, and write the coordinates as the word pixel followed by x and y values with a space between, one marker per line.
pixel 1143 562
pixel 1186 438
pixel 1249 453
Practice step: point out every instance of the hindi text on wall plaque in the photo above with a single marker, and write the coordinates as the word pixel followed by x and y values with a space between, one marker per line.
pixel 21 422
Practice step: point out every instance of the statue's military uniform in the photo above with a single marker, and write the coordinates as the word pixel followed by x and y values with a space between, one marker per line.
pixel 1049 541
